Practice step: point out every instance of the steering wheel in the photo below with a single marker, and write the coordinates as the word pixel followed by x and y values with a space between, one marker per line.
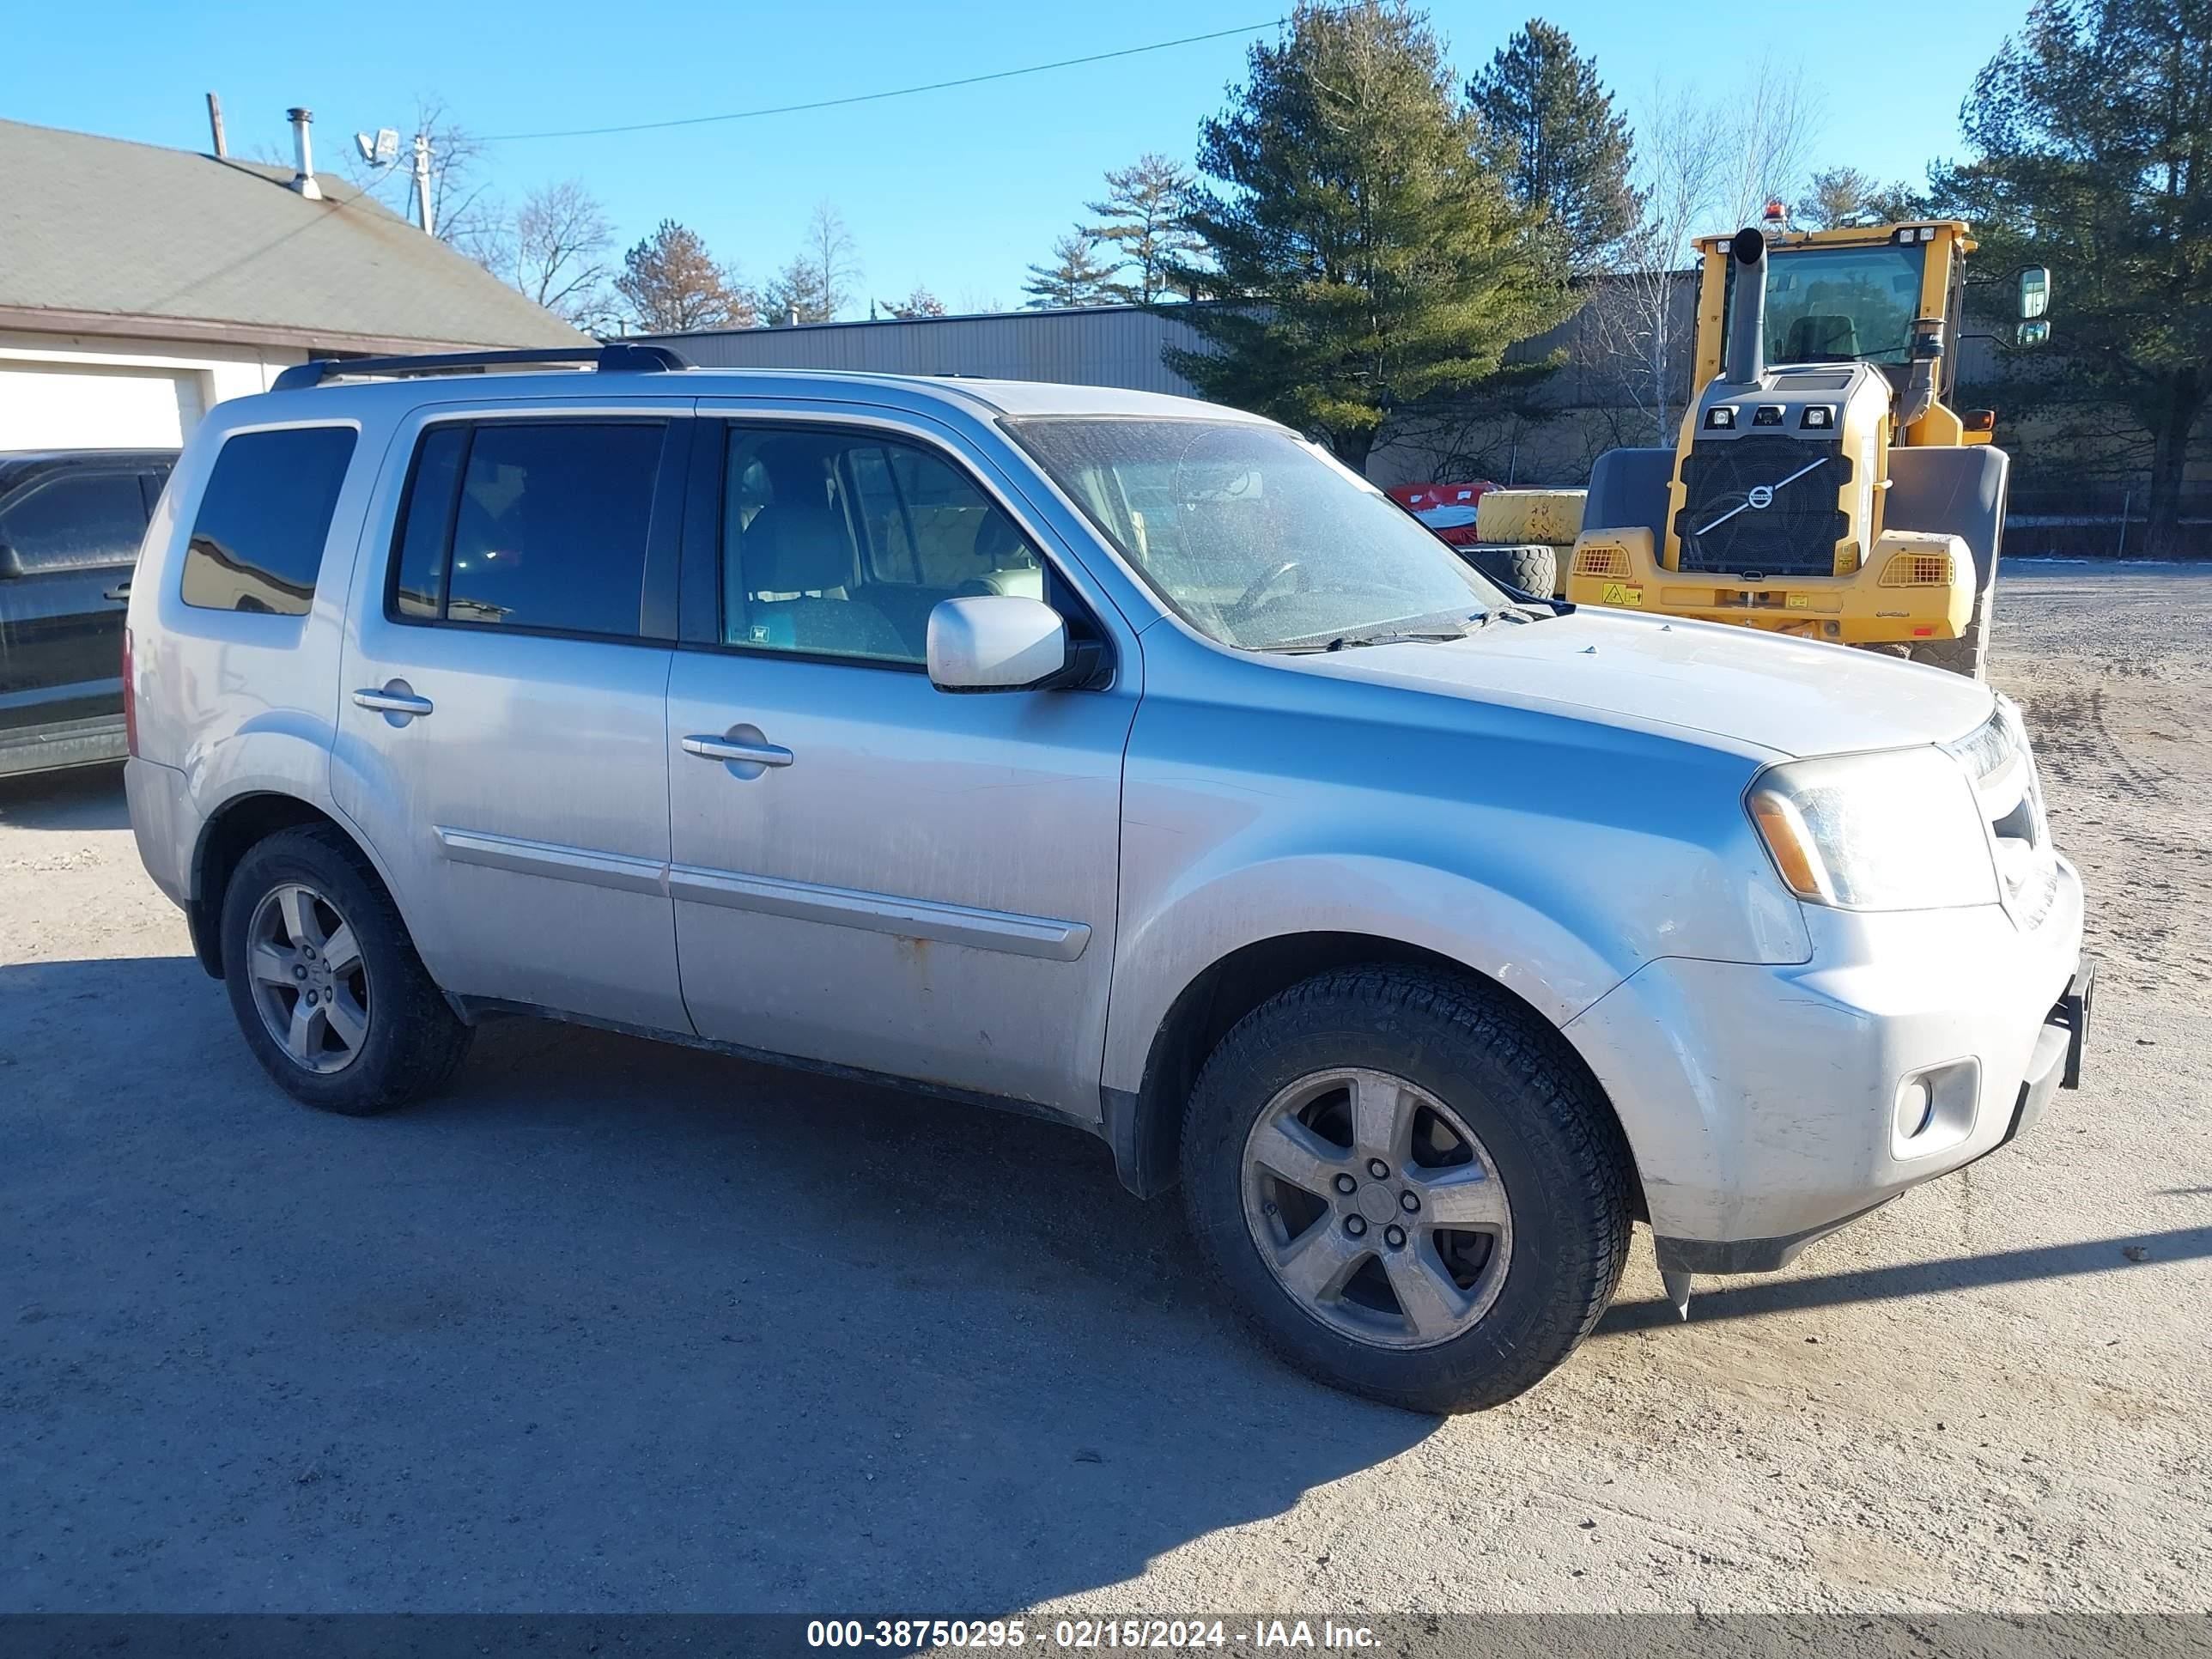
pixel 1249 600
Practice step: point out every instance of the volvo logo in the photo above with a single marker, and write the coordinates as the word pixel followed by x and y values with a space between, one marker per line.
pixel 1761 496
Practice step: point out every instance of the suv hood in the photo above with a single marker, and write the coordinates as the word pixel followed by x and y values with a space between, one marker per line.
pixel 1793 697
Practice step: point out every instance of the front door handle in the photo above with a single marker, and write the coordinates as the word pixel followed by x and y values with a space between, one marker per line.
pixel 736 750
pixel 120 592
pixel 393 699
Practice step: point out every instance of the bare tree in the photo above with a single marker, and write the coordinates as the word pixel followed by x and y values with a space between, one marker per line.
pixel 554 250
pixel 1634 334
pixel 819 280
pixel 1704 165
pixel 465 212
pixel 1767 132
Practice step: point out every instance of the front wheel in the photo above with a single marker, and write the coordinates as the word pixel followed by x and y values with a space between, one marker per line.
pixel 1406 1189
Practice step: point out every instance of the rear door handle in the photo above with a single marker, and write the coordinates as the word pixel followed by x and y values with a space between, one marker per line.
pixel 389 701
pixel 120 591
pixel 731 749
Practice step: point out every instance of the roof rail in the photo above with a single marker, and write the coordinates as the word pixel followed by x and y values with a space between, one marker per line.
pixel 618 356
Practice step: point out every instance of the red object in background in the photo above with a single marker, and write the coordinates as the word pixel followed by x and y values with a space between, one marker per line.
pixel 1448 510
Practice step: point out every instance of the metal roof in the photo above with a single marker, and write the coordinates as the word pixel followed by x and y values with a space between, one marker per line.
pixel 102 235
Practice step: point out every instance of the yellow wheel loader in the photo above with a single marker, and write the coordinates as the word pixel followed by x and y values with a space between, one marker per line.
pixel 1821 485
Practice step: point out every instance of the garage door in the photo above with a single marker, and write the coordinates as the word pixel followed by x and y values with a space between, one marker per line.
pixel 58 407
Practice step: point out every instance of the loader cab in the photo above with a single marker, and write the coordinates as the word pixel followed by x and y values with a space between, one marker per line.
pixel 1886 295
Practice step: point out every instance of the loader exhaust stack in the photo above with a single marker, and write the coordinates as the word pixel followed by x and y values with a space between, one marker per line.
pixel 1747 338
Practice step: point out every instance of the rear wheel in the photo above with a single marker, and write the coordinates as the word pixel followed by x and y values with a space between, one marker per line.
pixel 324 981
pixel 1406 1190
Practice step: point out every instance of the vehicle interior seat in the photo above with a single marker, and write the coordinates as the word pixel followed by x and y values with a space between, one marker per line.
pixel 1822 337
pixel 796 564
pixel 1009 566
pixel 798 561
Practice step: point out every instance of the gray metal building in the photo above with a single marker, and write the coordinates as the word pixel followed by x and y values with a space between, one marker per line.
pixel 1092 345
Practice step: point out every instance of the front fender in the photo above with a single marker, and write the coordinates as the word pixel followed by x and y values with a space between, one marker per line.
pixel 1214 914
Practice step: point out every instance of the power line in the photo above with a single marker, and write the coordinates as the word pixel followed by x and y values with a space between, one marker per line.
pixel 872 97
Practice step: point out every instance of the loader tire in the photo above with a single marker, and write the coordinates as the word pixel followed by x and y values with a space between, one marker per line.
pixel 1532 570
pixel 1968 654
pixel 1553 517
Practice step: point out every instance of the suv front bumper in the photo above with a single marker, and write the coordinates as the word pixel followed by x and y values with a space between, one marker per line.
pixel 1766 1106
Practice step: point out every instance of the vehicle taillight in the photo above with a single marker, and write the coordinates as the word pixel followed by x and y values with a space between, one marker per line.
pixel 130 699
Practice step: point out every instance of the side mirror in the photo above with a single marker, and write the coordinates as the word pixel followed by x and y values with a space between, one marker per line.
pixel 2027 336
pixel 996 642
pixel 2034 292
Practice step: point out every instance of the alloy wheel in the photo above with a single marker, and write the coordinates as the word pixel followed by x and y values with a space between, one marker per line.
pixel 310 985
pixel 1377 1208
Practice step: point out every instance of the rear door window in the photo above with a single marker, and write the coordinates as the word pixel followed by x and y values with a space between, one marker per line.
pixel 534 525
pixel 75 521
pixel 257 539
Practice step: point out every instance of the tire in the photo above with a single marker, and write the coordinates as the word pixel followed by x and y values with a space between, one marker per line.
pixel 398 1038
pixel 1968 654
pixel 1534 570
pixel 1548 1158
pixel 1554 517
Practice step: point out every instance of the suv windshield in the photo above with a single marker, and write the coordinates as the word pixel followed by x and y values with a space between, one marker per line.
pixel 1255 537
pixel 1837 305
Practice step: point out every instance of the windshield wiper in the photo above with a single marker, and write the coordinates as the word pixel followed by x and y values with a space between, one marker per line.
pixel 1385 636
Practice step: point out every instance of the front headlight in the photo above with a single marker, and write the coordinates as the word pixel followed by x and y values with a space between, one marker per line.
pixel 1898 831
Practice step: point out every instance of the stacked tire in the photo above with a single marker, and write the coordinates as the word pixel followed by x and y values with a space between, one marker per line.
pixel 1525 537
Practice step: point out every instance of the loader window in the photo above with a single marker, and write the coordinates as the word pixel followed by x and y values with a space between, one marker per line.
pixel 1839 305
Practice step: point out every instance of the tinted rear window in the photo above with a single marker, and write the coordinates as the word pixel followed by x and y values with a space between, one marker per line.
pixel 257 542
pixel 533 525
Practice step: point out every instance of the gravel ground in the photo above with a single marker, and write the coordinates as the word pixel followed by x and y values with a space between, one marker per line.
pixel 612 1326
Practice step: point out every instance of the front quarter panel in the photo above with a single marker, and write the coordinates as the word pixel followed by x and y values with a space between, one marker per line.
pixel 1553 854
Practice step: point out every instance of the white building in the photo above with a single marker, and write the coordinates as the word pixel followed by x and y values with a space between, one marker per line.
pixel 139 285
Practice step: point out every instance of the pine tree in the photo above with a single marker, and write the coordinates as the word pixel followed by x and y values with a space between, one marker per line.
pixel 670 282
pixel 1845 196
pixel 1367 252
pixel 1077 277
pixel 1571 148
pixel 1143 220
pixel 2093 134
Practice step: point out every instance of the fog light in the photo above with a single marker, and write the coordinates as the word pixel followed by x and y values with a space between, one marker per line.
pixel 1915 1108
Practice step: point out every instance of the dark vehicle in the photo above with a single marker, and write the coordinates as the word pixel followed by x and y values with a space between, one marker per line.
pixel 70 522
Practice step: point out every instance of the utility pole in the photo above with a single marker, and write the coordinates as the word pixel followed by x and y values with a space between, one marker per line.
pixel 423 184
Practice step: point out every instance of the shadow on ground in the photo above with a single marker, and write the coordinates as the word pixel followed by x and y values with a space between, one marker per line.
pixel 83 797
pixel 610 1325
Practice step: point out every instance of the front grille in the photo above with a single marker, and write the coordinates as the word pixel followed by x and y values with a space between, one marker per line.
pixel 1795 535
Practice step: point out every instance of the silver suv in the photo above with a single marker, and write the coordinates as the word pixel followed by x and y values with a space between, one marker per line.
pixel 1116 758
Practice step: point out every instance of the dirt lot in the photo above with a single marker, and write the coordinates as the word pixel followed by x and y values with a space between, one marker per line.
pixel 612 1326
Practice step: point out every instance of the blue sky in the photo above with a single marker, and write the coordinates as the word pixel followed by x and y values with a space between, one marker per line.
pixel 959 189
